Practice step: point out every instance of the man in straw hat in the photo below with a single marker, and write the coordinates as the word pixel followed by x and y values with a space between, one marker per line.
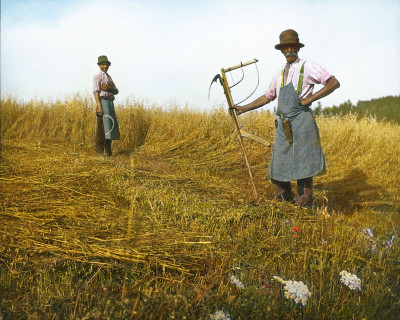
pixel 297 153
pixel 104 90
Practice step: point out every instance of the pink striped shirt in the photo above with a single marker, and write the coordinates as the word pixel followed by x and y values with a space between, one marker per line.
pixel 313 74
pixel 100 79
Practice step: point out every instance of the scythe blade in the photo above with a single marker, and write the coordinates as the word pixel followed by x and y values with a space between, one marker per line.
pixel 217 77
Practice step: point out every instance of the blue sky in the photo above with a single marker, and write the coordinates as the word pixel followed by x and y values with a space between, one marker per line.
pixel 167 52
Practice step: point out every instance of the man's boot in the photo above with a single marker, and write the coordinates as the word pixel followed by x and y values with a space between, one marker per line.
pixel 305 197
pixel 283 190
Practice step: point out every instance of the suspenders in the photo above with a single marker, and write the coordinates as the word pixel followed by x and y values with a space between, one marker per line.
pixel 300 83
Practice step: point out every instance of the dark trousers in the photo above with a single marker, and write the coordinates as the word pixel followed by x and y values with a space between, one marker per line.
pixel 102 145
pixel 283 191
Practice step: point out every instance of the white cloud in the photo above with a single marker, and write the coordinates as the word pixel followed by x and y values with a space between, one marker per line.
pixel 162 53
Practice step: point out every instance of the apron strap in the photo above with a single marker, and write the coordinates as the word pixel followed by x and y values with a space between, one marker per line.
pixel 300 84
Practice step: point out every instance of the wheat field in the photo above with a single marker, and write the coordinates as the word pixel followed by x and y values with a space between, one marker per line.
pixel 168 228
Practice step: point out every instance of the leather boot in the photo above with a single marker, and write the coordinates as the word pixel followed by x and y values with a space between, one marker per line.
pixel 283 190
pixel 305 197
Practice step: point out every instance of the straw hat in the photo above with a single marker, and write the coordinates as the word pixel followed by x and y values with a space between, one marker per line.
pixel 288 37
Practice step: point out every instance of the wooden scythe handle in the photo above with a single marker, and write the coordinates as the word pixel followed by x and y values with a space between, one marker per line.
pixel 240 65
pixel 235 119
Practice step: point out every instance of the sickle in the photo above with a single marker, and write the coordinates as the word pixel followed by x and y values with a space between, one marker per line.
pixel 112 120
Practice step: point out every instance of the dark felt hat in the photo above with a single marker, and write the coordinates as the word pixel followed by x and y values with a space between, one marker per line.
pixel 288 37
pixel 103 59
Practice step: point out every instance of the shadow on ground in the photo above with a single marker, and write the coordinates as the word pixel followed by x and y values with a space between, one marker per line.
pixel 355 191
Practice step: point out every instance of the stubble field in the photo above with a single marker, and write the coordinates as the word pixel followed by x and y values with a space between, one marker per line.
pixel 168 227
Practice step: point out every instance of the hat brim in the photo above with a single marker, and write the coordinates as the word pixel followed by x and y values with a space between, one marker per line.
pixel 101 62
pixel 279 45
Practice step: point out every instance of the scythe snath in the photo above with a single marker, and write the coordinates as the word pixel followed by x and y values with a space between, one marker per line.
pixel 240 132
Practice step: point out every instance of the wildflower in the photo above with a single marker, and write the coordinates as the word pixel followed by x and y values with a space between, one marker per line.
pixel 350 280
pixel 389 243
pixel 237 282
pixel 370 235
pixel 288 221
pixel 295 290
pixel 368 232
pixel 264 284
pixel 220 315
pixel 296 230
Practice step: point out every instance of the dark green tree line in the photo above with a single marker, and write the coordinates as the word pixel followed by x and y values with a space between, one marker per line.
pixel 385 108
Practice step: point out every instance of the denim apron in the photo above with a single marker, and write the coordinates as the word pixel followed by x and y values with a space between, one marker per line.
pixel 111 128
pixel 304 157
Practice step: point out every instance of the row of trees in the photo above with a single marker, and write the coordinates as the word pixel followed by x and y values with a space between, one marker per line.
pixel 386 108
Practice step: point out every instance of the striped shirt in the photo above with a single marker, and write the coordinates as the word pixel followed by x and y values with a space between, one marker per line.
pixel 313 74
pixel 100 79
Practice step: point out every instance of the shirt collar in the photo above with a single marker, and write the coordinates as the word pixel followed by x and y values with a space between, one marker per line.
pixel 294 62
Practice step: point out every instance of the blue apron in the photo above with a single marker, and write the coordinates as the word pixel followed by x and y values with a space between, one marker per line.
pixel 304 158
pixel 111 128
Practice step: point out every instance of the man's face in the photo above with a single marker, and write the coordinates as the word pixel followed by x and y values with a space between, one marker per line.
pixel 104 66
pixel 290 52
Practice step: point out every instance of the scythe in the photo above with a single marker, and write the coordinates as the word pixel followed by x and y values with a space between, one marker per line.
pixel 240 132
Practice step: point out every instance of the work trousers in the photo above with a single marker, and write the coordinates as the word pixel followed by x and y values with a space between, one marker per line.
pixel 102 145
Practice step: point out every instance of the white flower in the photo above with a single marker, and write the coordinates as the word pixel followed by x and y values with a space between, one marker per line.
pixel 220 315
pixel 350 280
pixel 237 282
pixel 295 290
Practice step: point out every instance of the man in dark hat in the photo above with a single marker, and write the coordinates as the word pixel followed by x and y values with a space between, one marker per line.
pixel 297 153
pixel 104 90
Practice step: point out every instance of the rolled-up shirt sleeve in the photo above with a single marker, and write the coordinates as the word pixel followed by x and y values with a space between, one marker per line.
pixel 96 84
pixel 271 92
pixel 316 74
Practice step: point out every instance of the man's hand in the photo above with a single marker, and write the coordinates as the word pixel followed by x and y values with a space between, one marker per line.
pixel 105 87
pixel 331 85
pixel 238 109
pixel 113 89
pixel 99 111
pixel 305 102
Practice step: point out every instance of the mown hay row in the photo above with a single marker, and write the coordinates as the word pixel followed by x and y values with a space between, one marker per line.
pixel 363 152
